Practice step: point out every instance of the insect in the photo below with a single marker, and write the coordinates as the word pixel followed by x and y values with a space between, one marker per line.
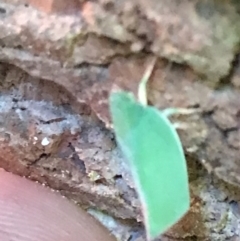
pixel 151 145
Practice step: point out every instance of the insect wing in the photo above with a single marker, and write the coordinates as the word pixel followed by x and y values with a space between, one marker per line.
pixel 151 145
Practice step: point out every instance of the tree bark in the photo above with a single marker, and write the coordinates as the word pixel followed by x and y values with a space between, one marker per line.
pixel 59 64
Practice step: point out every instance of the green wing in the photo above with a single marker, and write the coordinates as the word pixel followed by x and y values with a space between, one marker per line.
pixel 151 145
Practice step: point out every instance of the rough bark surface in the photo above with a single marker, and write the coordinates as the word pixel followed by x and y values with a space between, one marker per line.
pixel 58 67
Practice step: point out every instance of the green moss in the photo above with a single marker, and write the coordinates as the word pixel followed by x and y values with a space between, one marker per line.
pixel 223 222
pixel 73 40
pixel 216 57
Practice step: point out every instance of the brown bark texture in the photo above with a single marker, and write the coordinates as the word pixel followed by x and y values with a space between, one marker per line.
pixel 59 62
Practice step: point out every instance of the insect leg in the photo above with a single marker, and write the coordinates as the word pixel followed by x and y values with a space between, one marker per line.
pixel 180 126
pixel 142 93
pixel 178 111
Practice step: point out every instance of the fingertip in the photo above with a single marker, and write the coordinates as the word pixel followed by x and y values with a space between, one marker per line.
pixel 31 212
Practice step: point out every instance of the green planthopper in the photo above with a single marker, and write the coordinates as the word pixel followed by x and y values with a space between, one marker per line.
pixel 151 145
